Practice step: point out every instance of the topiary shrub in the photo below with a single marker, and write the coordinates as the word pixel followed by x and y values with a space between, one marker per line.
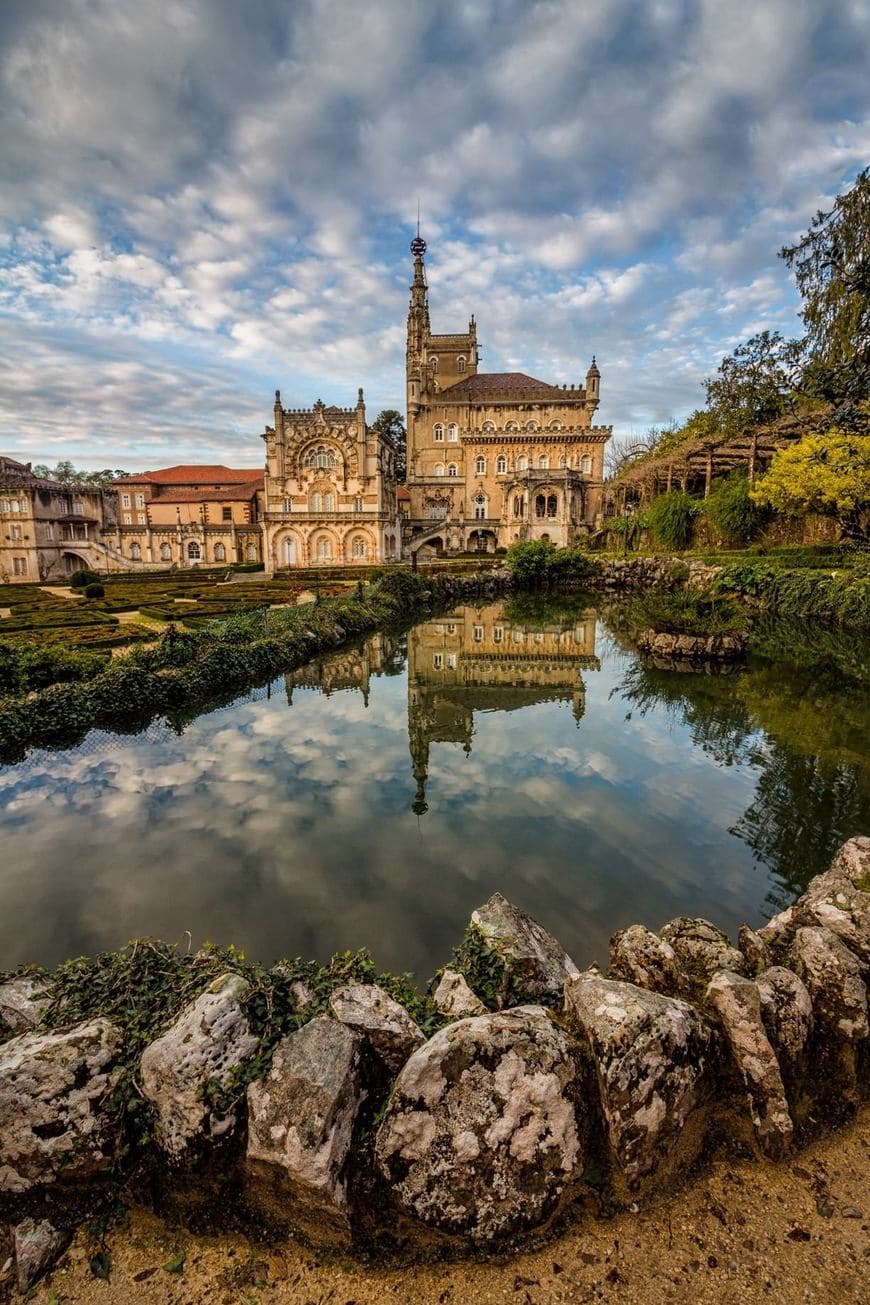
pixel 94 590
pixel 671 518
pixel 80 579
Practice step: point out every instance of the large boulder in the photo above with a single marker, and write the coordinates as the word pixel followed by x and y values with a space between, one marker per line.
pixel 639 956
pixel 52 1087
pixel 787 1014
pixel 23 1002
pixel 536 964
pixel 209 1041
pixel 454 998
pixel 832 975
pixel 652 1058
pixel 838 900
pixel 737 1002
pixel 38 1246
pixel 380 1019
pixel 300 1123
pixel 700 949
pixel 481 1137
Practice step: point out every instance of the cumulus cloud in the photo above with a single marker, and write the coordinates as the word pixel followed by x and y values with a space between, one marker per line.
pixel 228 190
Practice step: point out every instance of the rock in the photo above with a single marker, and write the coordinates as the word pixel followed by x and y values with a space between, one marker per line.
pixel 454 998
pixel 832 975
pixel 838 900
pixel 700 949
pixel 210 1039
pixel 537 964
pixel 737 1002
pixel 23 1002
pixel 753 949
pixel 38 1247
pixel 481 1136
pixel 651 1055
pixel 51 1088
pixel 787 1013
pixel 300 1122
pixel 301 995
pixel 378 1018
pixel 641 957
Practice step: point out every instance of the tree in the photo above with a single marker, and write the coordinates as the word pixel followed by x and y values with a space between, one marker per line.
pixel 389 423
pixel 832 269
pixel 67 474
pixel 827 473
pixel 754 384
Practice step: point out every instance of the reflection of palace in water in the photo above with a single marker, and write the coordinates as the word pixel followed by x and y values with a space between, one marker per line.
pixel 474 659
pixel 477 660
pixel 350 669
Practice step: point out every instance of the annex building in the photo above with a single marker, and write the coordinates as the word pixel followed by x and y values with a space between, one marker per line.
pixel 493 457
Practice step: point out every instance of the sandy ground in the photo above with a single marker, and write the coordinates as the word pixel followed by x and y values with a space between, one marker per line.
pixel 745 1232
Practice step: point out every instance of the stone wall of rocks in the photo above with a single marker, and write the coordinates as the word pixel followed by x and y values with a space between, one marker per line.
pixel 709 647
pixel 555 1091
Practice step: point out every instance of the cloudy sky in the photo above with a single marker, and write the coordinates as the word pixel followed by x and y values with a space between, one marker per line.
pixel 201 200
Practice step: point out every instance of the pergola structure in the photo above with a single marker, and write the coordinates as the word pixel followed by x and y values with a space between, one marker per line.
pixel 692 466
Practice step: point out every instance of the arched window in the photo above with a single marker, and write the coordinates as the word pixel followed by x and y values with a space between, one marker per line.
pixel 317 502
pixel 460 364
pixel 522 462
pixel 543 462
pixel 518 505
pixel 501 465
pixel 586 464
pixel 324 550
pixel 479 502
pixel 531 425
pixel 288 552
pixel 551 505
pixel 135 552
pixel 563 461
pixel 555 425
pixel 358 547
pixel 480 466
pixel 439 468
pixel 165 553
pixel 329 502
pixel 438 432
pixel 433 364
pixel 320 457
pixel 251 553
pixel 540 505
pixel 511 425
pixel 488 425
pixel 451 469
pixel 220 553
pixel 452 433
pixel 194 552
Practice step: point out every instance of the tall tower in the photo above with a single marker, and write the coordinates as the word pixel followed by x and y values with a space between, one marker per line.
pixel 418 329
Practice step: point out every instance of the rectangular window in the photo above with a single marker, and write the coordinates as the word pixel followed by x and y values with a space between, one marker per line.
pixel 128 520
pixel 497 634
pixel 437 661
pixel 288 506
pixel 451 661
pixel 19 566
pixel 478 634
pixel 125 500
pixel 140 500
pixel 226 514
pixel 141 518
pixel 357 505
pixel 16 506
pixel 78 509
pixel 16 532
pixel 4 505
pixel 452 434
pixel 49 530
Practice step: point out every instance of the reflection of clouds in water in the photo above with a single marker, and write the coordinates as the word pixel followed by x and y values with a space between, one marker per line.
pixel 288 830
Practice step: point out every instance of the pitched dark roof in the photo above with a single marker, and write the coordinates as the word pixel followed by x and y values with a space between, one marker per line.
pixel 506 385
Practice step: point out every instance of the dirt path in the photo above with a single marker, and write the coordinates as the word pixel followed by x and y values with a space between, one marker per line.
pixel 747 1232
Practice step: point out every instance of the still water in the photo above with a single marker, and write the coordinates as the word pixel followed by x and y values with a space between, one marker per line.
pixel 375 797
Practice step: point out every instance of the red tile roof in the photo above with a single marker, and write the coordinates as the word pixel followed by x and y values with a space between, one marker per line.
pixel 195 474
pixel 231 494
pixel 506 385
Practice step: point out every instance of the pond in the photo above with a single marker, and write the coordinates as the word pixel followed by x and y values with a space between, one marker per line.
pixel 376 796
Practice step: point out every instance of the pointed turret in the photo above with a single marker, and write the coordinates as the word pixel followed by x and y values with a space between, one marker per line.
pixel 593 382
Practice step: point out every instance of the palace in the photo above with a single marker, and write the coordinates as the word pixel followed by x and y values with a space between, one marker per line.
pixel 493 457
